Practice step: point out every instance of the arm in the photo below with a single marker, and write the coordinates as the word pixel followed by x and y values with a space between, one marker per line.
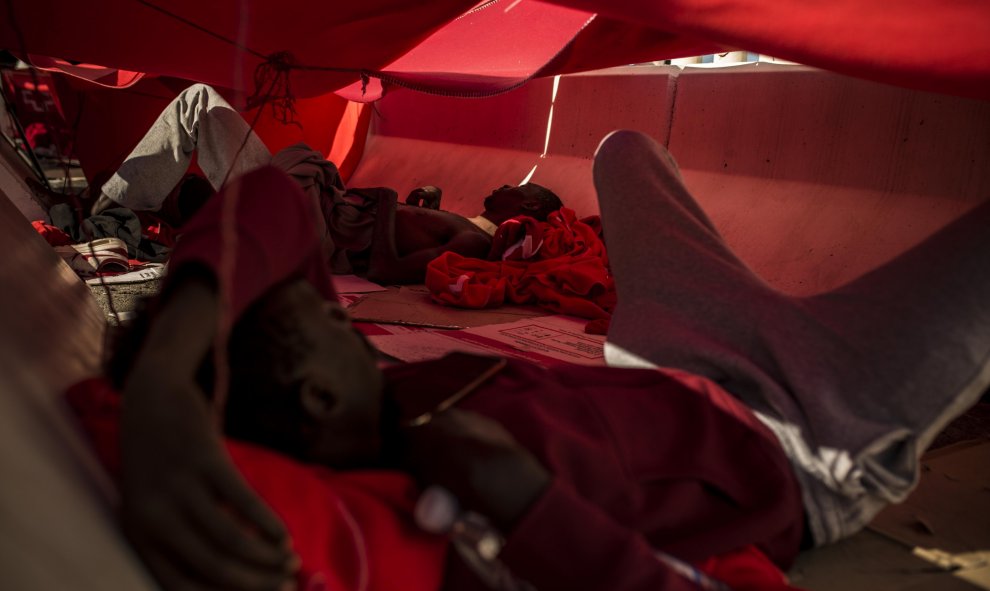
pixel 189 515
pixel 186 510
pixel 388 267
pixel 428 197
pixel 557 539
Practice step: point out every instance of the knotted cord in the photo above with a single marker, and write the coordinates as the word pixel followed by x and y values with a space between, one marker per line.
pixel 60 146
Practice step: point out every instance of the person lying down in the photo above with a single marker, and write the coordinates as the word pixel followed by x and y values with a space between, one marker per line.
pixel 526 447
pixel 594 478
pixel 365 230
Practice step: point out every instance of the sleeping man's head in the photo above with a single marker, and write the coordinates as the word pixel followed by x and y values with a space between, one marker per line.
pixel 530 199
pixel 303 381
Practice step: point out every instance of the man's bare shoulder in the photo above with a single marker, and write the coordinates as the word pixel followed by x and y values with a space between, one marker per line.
pixel 434 221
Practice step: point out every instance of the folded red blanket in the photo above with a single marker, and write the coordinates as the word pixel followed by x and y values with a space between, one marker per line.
pixel 560 265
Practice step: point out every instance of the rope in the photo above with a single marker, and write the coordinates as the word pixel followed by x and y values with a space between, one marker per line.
pixel 12 15
pixel 275 72
pixel 228 264
pixel 200 28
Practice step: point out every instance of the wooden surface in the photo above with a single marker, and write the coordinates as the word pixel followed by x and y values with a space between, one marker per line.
pixel 950 511
pixel 55 503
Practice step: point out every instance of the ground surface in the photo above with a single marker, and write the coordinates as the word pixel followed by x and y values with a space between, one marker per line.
pixel 124 298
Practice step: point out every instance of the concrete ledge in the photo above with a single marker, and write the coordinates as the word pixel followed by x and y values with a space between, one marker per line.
pixel 548 128
pixel 814 178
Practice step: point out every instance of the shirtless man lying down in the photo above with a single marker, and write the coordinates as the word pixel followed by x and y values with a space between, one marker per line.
pixel 405 238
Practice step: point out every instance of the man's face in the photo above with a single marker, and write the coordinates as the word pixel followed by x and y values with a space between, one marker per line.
pixel 513 201
pixel 343 385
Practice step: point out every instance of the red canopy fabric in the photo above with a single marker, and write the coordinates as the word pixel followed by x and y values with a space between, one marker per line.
pixel 108 122
pixel 491 49
pixel 922 44
pixel 109 77
pixel 221 42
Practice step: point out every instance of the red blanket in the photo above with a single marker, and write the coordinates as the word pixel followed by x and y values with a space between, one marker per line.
pixel 51 234
pixel 352 530
pixel 560 265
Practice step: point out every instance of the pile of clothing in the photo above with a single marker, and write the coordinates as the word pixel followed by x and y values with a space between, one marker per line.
pixel 560 265
pixel 112 242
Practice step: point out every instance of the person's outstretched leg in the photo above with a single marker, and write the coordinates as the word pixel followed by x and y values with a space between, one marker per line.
pixel 198 120
pixel 681 290
pixel 854 382
pixel 922 324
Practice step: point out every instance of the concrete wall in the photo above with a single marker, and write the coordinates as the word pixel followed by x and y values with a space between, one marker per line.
pixel 470 146
pixel 814 178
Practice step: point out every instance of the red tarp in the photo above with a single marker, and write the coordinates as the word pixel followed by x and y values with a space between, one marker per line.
pixel 453 47
pixel 109 122
pixel 221 42
pixel 925 44
pixel 922 44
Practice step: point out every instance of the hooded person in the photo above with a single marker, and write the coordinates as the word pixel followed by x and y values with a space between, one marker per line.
pixel 548 457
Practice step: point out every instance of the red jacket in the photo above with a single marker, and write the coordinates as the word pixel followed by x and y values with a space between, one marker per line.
pixel 643 461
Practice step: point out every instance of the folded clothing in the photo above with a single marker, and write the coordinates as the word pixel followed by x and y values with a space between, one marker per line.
pixel 117 222
pixel 560 265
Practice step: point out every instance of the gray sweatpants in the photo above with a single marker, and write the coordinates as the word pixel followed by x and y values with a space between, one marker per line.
pixel 855 382
pixel 198 120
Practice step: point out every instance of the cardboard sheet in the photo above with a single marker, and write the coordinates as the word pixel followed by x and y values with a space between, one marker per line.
pixel 413 306
pixel 545 340
pixel 559 338
pixel 421 346
pixel 348 284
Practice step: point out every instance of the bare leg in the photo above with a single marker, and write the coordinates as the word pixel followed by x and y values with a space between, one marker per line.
pixel 855 382
pixel 198 120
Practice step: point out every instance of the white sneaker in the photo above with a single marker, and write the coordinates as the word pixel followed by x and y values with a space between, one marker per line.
pixel 97 256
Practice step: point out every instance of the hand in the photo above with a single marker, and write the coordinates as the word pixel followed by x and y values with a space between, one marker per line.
pixel 428 197
pixel 480 462
pixel 188 513
pixel 101 204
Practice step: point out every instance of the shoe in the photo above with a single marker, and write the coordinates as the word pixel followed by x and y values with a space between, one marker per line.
pixel 98 256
